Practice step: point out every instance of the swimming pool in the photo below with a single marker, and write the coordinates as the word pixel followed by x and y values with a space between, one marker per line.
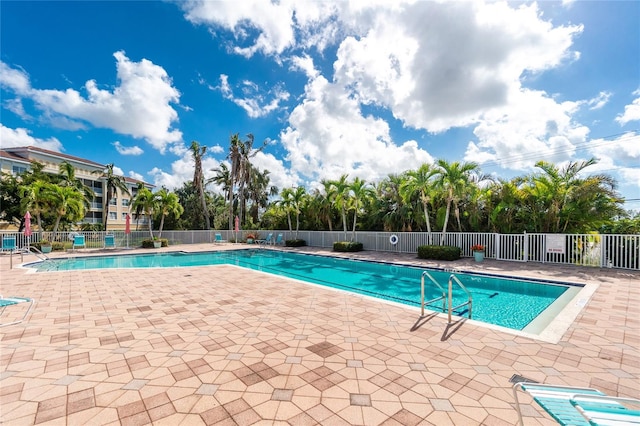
pixel 513 303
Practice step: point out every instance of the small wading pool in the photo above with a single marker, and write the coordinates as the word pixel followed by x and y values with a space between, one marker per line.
pixel 517 304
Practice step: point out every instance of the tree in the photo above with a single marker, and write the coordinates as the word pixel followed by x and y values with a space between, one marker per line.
pixel 167 203
pixel 246 152
pixel 66 202
pixel 259 191
pixel 34 198
pixel 453 179
pixel 112 183
pixel 198 180
pixel 341 190
pixel 234 160
pixel 419 182
pixel 145 201
pixel 68 176
pixel 360 191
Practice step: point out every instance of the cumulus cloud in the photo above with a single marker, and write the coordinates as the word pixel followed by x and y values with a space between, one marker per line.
pixel 328 135
pixel 599 101
pixel 127 150
pixel 256 102
pixel 182 169
pixel 21 137
pixel 623 150
pixel 534 127
pixel 631 111
pixel 140 105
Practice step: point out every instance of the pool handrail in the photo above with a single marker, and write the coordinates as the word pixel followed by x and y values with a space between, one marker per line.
pixel 447 300
pixel 428 302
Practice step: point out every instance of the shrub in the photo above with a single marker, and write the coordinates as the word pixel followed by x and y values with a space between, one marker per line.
pixel 347 246
pixel 148 243
pixel 295 243
pixel 439 252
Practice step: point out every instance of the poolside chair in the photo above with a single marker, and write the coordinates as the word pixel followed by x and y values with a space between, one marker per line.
pixel 9 244
pixel 267 240
pixel 78 241
pixel 10 301
pixel 219 239
pixel 109 241
pixel 278 240
pixel 579 406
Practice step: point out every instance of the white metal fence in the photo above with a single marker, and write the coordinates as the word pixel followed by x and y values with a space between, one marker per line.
pixel 598 250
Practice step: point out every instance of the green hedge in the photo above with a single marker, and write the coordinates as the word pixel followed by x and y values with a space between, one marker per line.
pixel 149 243
pixel 439 252
pixel 347 246
pixel 295 243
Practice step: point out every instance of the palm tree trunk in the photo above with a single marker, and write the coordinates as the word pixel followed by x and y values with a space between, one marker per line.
pixel 446 222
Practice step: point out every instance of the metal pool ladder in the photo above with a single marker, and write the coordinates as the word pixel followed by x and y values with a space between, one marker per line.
pixel 447 297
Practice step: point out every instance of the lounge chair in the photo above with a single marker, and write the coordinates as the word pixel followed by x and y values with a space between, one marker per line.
pixel 10 301
pixel 279 240
pixel 109 241
pixel 219 239
pixel 268 240
pixel 78 241
pixel 579 406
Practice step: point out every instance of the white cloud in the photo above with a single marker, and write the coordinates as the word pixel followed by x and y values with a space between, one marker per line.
pixel 16 107
pixel 280 176
pixel 275 23
pixel 623 151
pixel 182 169
pixel 329 136
pixel 599 101
pixel 305 64
pixel 631 111
pixel 255 101
pixel 21 137
pixel 127 150
pixel 533 127
pixel 139 106
pixel 136 176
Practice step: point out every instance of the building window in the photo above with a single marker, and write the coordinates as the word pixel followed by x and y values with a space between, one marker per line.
pixel 113 202
pixel 125 202
pixel 19 169
pixel 113 215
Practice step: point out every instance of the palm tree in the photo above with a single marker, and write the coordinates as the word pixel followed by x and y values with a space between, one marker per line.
pixel 286 204
pixel 34 198
pixel 167 203
pixel 341 191
pixel 246 152
pixel 145 201
pixel 198 180
pixel 259 191
pixel 234 159
pixel 420 182
pixel 222 178
pixel 68 174
pixel 112 183
pixel 326 202
pixel 453 179
pixel 360 191
pixel 298 198
pixel 65 201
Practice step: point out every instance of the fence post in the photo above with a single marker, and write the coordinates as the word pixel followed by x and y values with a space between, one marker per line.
pixel 497 244
pixel 526 247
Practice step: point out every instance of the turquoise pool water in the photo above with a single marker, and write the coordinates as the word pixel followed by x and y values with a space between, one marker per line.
pixel 511 303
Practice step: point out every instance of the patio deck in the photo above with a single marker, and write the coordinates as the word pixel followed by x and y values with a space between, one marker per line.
pixel 223 345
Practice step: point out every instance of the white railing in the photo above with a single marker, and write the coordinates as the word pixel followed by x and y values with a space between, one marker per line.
pixel 598 250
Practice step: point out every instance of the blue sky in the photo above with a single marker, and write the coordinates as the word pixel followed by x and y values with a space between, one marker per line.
pixel 364 89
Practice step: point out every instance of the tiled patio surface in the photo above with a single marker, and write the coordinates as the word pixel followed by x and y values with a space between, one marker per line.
pixel 222 345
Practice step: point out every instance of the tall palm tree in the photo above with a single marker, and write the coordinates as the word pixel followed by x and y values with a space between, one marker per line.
pixel 234 159
pixel 453 179
pixel 167 203
pixel 259 191
pixel 145 201
pixel 223 179
pixel 286 204
pixel 342 196
pixel 298 198
pixel 420 182
pixel 198 180
pixel 326 202
pixel 246 152
pixel 360 190
pixel 112 183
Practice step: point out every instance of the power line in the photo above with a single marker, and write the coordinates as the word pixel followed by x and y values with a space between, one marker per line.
pixel 547 152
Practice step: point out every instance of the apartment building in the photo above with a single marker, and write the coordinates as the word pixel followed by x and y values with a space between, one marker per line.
pixel 18 159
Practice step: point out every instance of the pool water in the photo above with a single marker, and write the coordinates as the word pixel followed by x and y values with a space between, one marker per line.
pixel 511 303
